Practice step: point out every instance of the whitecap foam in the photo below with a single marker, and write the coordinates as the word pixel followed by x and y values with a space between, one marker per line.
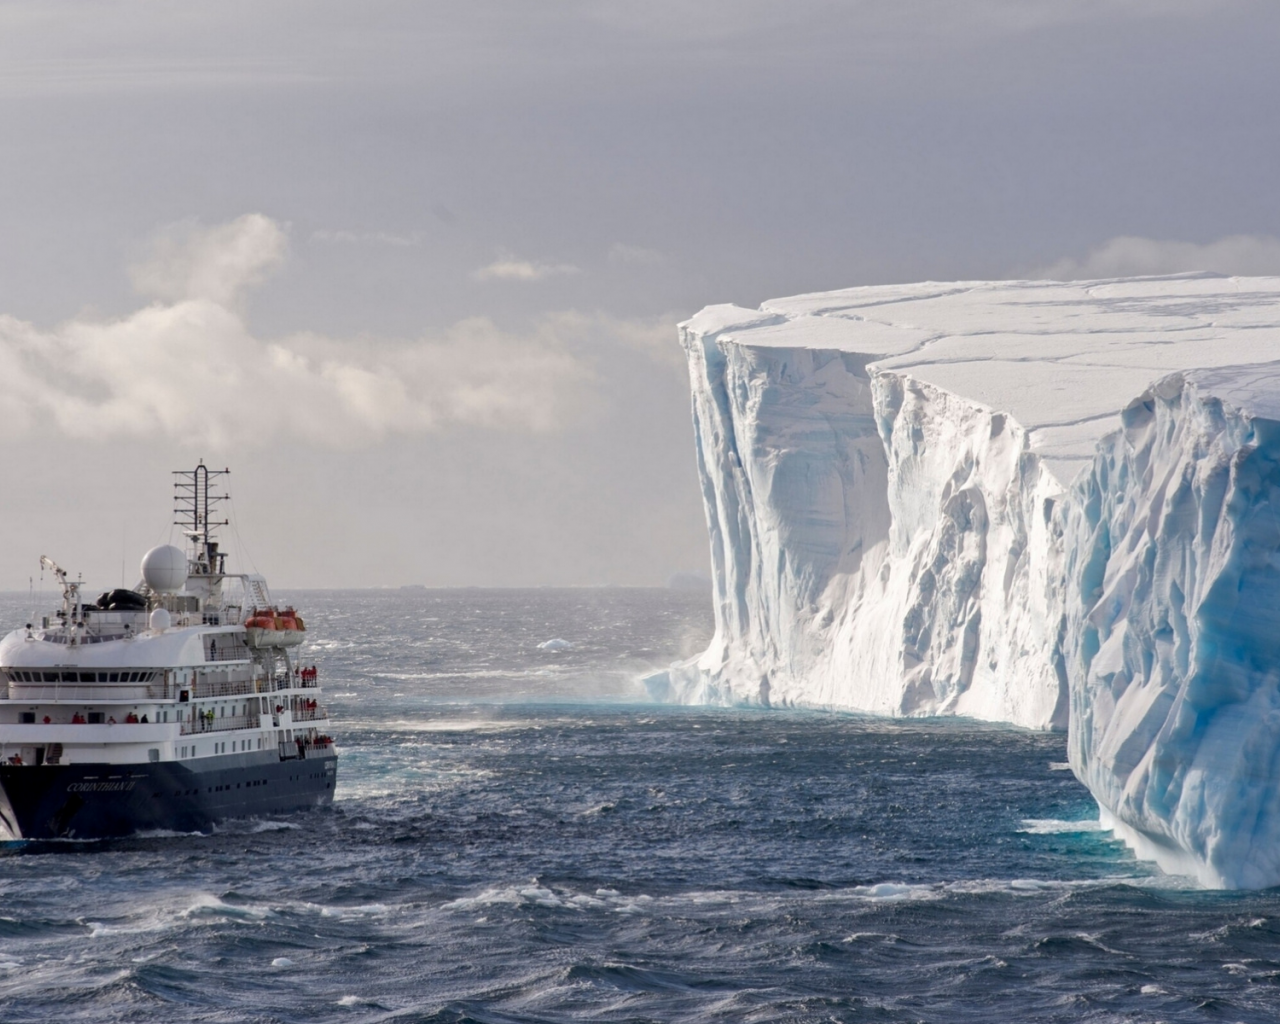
pixel 168 833
pixel 443 725
pixel 888 891
pixel 208 905
pixel 1054 826
pixel 274 826
pixel 365 910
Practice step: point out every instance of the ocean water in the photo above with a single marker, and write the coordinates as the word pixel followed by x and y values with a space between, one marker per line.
pixel 518 836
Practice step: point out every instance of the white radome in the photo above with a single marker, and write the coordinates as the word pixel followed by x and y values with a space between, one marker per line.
pixel 165 569
pixel 160 620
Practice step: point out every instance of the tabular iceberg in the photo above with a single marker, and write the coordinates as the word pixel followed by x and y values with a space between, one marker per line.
pixel 1054 505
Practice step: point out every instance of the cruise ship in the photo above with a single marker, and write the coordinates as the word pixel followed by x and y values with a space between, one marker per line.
pixel 171 706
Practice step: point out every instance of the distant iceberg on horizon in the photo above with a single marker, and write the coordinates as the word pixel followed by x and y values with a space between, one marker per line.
pixel 1050 504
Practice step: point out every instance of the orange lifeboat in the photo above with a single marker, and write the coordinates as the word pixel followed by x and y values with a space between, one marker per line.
pixel 262 618
pixel 268 627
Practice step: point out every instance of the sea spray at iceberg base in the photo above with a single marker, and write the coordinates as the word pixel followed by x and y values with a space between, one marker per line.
pixel 1052 505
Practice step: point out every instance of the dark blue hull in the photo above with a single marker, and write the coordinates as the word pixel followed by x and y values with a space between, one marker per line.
pixel 98 801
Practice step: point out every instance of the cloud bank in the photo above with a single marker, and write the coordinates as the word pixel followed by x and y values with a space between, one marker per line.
pixel 508 267
pixel 1132 256
pixel 219 263
pixel 187 367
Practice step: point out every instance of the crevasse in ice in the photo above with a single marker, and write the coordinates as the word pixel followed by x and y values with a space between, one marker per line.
pixel 1054 505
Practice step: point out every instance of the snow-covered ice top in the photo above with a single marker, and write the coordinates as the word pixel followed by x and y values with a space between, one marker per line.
pixel 1062 358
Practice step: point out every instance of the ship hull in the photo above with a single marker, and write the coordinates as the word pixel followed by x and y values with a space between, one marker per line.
pixel 99 801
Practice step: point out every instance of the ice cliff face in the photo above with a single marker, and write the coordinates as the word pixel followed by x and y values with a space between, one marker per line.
pixel 1173 605
pixel 1045 504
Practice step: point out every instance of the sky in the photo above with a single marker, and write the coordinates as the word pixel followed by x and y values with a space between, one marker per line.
pixel 412 270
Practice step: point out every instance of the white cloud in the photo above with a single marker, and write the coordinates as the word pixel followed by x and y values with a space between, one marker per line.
pixel 634 255
pixel 508 267
pixel 188 368
pixel 1132 256
pixel 219 263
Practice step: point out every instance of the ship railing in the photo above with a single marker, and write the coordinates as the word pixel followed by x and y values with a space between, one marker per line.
pixel 311 747
pixel 297 681
pixel 203 724
pixel 317 714
pixel 294 683
pixel 82 638
pixel 230 652
pixel 224 687
pixel 89 693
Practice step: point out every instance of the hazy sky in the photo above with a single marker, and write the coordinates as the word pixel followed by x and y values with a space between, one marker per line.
pixel 413 270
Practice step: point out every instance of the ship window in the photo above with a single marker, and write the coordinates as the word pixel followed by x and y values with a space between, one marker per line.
pixel 153 754
pixel 28 718
pixel 51 677
pixel 95 717
pixel 88 677
pixel 114 677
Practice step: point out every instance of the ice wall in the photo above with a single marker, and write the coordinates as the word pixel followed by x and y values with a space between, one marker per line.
pixel 1004 500
pixel 1173 545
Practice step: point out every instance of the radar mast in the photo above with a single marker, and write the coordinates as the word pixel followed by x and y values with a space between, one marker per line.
pixel 193 501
